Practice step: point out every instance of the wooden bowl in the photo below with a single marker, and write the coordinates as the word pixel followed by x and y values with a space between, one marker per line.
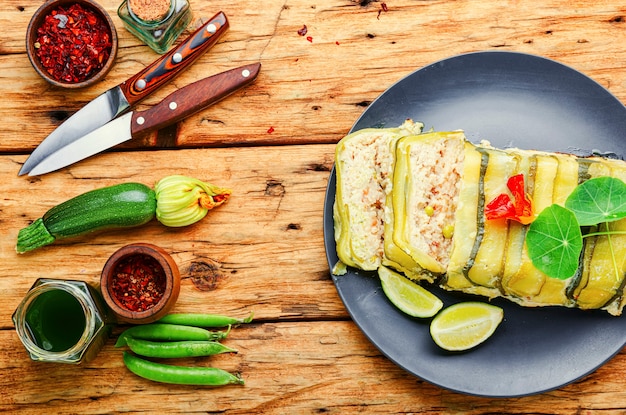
pixel 146 262
pixel 32 45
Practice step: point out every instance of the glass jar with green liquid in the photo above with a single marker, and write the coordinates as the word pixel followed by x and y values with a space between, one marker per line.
pixel 62 321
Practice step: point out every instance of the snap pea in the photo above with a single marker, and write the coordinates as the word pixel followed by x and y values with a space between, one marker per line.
pixel 204 320
pixel 176 349
pixel 170 332
pixel 181 375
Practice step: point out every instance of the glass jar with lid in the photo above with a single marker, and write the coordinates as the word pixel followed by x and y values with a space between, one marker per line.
pixel 158 23
pixel 62 321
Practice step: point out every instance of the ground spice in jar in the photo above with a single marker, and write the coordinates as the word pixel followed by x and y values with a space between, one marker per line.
pixel 157 23
pixel 138 282
pixel 73 43
pixel 150 10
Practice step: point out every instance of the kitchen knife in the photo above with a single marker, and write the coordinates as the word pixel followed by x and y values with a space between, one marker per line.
pixel 176 106
pixel 119 99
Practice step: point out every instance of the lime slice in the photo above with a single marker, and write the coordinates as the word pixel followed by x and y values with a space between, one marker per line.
pixel 465 325
pixel 409 297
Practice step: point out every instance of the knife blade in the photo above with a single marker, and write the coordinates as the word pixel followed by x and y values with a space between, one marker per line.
pixel 122 97
pixel 175 107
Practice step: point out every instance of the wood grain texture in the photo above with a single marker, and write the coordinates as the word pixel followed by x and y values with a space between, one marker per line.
pixel 313 91
pixel 263 251
pixel 289 367
pixel 264 240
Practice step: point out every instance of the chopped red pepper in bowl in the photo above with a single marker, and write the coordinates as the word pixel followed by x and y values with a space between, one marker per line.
pixel 71 43
pixel 140 283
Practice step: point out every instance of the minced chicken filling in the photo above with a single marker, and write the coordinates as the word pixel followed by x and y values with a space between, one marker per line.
pixel 363 177
pixel 434 188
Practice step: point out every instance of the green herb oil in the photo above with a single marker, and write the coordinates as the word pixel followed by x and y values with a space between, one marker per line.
pixel 55 320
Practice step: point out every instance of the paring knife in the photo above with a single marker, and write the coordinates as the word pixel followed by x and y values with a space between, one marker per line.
pixel 176 106
pixel 119 99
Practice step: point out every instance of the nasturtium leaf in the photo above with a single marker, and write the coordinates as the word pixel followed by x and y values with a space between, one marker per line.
pixel 602 199
pixel 554 242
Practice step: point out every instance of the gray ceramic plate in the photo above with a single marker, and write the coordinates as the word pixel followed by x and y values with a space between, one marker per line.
pixel 510 99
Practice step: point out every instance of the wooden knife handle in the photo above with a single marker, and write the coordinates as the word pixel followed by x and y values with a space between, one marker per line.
pixel 193 98
pixel 175 61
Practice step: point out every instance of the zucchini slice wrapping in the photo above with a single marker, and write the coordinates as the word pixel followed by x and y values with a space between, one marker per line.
pixel 437 181
pixel 362 164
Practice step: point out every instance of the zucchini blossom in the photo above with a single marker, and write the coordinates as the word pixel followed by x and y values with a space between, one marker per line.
pixel 183 200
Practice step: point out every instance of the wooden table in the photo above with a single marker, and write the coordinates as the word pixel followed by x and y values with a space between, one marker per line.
pixel 263 251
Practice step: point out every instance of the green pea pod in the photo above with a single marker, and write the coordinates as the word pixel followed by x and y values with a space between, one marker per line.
pixel 204 320
pixel 181 375
pixel 176 349
pixel 169 332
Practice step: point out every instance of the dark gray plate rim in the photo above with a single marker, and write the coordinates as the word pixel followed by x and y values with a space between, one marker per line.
pixel 510 99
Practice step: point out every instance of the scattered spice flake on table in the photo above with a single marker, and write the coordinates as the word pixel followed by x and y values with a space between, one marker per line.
pixel 138 282
pixel 73 43
pixel 383 8
pixel 270 130
pixel 309 38
pixel 303 30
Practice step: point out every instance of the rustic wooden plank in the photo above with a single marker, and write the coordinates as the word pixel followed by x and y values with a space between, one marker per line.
pixel 264 248
pixel 263 264
pixel 304 367
pixel 314 91
pixel 263 251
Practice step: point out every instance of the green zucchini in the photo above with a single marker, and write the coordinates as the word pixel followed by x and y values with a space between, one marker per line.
pixel 553 290
pixel 122 206
pixel 606 276
pixel 486 263
pixel 467 219
pixel 526 282
pixel 119 206
pixel 517 232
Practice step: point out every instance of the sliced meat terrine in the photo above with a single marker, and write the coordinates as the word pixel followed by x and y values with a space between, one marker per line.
pixel 416 202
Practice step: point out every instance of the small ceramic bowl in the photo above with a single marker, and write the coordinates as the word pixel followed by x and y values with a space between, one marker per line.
pixel 32 44
pixel 140 283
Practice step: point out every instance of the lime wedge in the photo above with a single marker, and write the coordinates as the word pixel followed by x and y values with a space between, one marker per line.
pixel 465 325
pixel 409 297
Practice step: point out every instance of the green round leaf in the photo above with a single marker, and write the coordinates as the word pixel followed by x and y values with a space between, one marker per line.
pixel 602 199
pixel 554 242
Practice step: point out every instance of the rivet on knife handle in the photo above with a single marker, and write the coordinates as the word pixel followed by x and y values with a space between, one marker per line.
pixel 175 61
pixel 193 98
